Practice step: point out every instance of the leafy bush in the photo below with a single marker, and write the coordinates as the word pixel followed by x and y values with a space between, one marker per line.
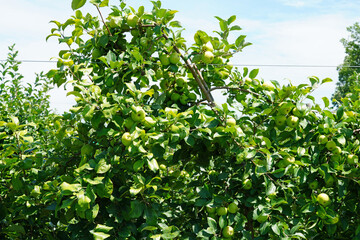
pixel 147 154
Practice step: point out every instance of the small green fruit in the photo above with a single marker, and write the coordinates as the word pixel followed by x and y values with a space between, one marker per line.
pixel 314 185
pixel 174 58
pixel 132 20
pixel 323 199
pixel 233 208
pixel 221 211
pixel 210 209
pixel 164 59
pixel 352 159
pixel 208 57
pixel 337 150
pixel 228 232
pixel 208 47
pixel 322 139
pixel 126 139
pixel 230 122
pixel 331 145
pixel 292 121
pixel 247 185
pixel 280 120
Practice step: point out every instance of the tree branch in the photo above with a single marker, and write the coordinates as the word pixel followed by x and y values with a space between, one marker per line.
pixel 103 20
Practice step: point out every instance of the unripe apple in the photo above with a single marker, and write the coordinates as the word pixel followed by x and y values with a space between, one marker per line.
pixel 240 158
pixel 352 159
pixel 230 122
pixel 292 121
pixel 138 114
pixel 132 20
pixel 268 86
pixel 335 158
pixel 210 209
pixel 208 57
pixel 126 139
pixel 174 58
pixel 247 185
pixel 175 96
pixel 221 211
pixel 144 41
pixel 330 145
pixel 164 59
pixel 322 139
pixel 228 232
pixel 337 150
pixel 262 218
pixel 183 99
pixel 208 47
pixel 314 185
pixel 323 199
pixel 233 208
pixel 192 96
pixel 285 108
pixel 280 120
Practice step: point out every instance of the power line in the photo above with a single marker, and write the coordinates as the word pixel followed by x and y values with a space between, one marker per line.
pixel 237 65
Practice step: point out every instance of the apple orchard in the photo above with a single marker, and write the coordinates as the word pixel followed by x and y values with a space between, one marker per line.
pixel 147 154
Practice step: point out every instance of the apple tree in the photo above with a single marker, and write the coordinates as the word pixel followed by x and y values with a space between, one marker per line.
pixel 147 153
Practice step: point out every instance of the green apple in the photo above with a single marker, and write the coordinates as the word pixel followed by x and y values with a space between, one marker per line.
pixel 247 185
pixel 159 74
pixel 322 139
pixel 280 120
pixel 352 159
pixel 128 123
pixel 268 86
pixel 138 114
pixel 228 232
pixel 132 20
pixel 180 82
pixel 36 191
pixel 262 218
pixel 230 121
pixel 323 199
pixel 233 208
pixel 192 96
pixel 149 122
pixel 337 150
pixel 289 160
pixel 126 139
pixel 164 59
pixel 163 167
pixel 292 121
pixel 285 108
pixel 314 185
pixel 331 145
pixel 183 99
pixel 208 47
pixel 208 57
pixel 135 32
pixel 210 209
pixel 144 41
pixel 221 211
pixel 174 58
pixel 175 96
pixel 96 53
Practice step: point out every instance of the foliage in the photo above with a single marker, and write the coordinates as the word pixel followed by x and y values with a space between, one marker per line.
pixel 349 76
pixel 146 153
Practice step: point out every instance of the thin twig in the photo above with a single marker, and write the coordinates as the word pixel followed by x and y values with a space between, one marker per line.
pixel 103 20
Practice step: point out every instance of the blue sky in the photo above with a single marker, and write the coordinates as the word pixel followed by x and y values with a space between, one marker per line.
pixel 305 32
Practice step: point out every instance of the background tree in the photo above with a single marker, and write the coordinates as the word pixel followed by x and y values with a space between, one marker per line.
pixel 349 76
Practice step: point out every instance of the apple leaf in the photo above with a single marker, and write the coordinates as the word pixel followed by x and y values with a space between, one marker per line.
pixel 76 4
pixel 254 73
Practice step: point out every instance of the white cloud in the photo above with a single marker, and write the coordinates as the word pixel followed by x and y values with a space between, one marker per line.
pixel 300 3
